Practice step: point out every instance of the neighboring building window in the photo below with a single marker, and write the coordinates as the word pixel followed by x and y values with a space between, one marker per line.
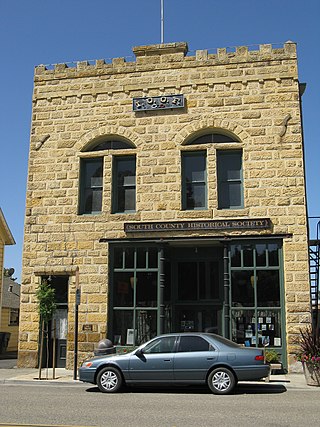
pixel 194 180
pixel 124 184
pixel 14 317
pixel 229 176
pixel 91 171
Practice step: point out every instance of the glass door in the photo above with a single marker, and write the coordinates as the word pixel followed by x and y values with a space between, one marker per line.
pixel 198 292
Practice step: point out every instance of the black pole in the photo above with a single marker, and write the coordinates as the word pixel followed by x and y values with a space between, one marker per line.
pixel 161 290
pixel 76 325
pixel 226 284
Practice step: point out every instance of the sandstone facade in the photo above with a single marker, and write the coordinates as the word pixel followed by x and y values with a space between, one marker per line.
pixel 252 94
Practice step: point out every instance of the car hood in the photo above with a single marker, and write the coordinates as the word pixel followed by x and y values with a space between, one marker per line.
pixel 110 358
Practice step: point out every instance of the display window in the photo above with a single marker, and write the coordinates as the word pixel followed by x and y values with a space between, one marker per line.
pixel 256 294
pixel 134 295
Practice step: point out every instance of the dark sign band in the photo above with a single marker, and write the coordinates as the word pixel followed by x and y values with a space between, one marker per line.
pixel 228 224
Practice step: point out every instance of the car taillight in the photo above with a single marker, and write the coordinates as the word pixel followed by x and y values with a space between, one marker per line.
pixel 260 357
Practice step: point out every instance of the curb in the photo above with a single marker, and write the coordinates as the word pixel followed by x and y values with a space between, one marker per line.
pixel 13 381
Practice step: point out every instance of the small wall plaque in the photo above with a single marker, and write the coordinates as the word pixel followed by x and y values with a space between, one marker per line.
pixel 164 102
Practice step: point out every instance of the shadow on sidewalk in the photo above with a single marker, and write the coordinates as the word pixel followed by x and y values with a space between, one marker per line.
pixel 8 360
pixel 9 355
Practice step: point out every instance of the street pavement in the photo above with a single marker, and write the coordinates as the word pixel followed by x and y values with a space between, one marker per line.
pixel 10 374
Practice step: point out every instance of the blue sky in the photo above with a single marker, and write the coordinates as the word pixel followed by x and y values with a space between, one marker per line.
pixel 34 32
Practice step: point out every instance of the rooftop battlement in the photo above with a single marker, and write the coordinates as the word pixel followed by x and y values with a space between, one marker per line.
pixel 168 55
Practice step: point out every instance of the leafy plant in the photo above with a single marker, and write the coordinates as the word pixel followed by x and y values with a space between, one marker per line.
pixel 309 343
pixel 46 301
pixel 47 306
pixel 272 356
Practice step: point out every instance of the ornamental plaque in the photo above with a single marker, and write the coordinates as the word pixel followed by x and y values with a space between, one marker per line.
pixel 163 102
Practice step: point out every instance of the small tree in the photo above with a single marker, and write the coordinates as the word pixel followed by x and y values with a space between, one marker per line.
pixel 46 306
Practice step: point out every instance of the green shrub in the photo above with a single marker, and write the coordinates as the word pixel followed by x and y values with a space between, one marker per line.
pixel 272 356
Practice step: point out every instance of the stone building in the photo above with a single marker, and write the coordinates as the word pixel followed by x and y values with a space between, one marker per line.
pixel 170 190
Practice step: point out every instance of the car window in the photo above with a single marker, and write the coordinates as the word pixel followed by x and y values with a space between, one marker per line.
pixel 226 342
pixel 160 345
pixel 193 344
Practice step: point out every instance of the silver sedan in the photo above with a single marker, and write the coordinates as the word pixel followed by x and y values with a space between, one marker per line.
pixel 181 358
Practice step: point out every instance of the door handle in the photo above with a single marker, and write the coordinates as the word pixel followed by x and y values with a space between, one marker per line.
pixel 167 360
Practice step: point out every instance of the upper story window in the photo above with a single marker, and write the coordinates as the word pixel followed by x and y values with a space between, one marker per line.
pixel 124 184
pixel 229 173
pixel 91 172
pixel 91 177
pixel 194 180
pixel 230 181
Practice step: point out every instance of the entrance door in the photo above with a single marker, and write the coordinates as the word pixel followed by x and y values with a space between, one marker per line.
pixel 58 326
pixel 60 319
pixel 198 291
pixel 200 318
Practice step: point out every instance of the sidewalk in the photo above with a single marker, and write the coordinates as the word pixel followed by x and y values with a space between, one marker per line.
pixel 65 377
pixel 31 376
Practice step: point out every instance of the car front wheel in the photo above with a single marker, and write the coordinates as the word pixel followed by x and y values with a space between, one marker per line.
pixel 221 381
pixel 109 380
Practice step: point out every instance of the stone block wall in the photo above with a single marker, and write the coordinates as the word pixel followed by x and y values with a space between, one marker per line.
pixel 253 94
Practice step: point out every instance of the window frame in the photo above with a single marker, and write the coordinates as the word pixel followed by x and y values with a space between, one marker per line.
pixel 220 154
pixel 14 313
pixel 238 263
pixel 84 161
pixel 204 182
pixel 115 187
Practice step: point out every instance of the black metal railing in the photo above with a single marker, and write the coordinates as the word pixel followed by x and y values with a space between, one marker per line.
pixel 314 261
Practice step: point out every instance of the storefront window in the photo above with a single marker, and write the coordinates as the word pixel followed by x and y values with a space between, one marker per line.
pixel 242 288
pixel 268 288
pixel 256 328
pixel 123 289
pixel 146 289
pixel 256 294
pixel 134 294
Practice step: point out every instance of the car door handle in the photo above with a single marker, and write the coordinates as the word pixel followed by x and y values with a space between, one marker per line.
pixel 210 358
pixel 167 360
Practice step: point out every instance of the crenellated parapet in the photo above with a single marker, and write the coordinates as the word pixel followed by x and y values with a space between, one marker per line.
pixel 172 55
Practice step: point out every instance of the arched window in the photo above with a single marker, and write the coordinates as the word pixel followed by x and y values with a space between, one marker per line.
pixel 210 138
pixel 228 173
pixel 123 177
pixel 108 144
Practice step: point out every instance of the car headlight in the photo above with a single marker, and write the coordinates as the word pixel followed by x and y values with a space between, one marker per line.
pixel 86 364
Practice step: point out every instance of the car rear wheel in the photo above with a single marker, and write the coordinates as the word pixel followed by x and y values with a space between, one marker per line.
pixel 221 381
pixel 109 380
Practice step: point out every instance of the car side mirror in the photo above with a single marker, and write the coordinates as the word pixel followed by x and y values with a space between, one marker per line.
pixel 139 352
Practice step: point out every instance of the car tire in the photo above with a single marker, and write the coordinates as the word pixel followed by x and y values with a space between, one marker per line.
pixel 109 380
pixel 221 381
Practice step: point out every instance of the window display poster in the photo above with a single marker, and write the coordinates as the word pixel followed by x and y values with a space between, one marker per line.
pixel 277 342
pixel 130 333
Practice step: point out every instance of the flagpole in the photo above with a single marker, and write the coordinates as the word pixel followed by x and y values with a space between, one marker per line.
pixel 162 23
